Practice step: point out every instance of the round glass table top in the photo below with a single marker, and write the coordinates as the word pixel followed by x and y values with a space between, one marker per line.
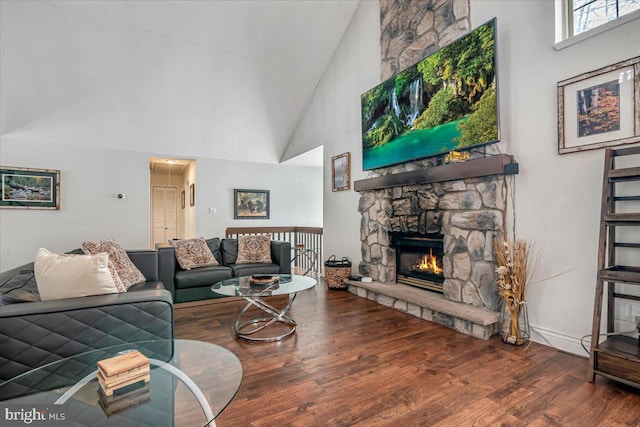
pixel 240 286
pixel 190 383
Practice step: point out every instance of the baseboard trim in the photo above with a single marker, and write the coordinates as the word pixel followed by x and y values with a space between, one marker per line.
pixel 557 340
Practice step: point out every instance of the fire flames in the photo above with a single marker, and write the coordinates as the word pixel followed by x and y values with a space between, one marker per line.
pixel 429 264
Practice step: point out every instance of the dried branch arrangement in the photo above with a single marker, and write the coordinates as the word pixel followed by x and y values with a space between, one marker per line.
pixel 513 270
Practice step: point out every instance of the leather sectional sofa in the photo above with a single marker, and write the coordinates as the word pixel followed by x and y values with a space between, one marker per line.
pixel 195 284
pixel 34 333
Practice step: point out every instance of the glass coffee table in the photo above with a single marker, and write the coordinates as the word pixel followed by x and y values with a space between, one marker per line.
pixel 278 320
pixel 191 382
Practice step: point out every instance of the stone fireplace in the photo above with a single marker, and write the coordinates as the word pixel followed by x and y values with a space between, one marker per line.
pixel 464 204
pixel 468 213
pixel 447 215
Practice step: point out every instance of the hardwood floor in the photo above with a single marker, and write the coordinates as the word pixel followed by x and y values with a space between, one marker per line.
pixel 355 362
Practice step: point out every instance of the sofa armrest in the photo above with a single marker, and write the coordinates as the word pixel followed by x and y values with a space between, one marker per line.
pixel 82 303
pixel 167 267
pixel 147 262
pixel 37 333
pixel 281 255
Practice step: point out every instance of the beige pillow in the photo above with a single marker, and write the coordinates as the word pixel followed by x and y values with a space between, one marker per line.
pixel 127 271
pixel 254 249
pixel 192 253
pixel 72 276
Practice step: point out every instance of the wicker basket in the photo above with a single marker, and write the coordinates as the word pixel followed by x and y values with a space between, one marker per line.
pixel 336 271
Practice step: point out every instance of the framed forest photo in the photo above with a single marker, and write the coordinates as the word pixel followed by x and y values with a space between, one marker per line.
pixel 24 188
pixel 600 108
pixel 341 172
pixel 251 204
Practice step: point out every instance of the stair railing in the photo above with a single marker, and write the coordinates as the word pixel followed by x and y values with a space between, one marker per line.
pixel 306 244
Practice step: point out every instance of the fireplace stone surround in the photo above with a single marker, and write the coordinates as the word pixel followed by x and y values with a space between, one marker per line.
pixel 409 31
pixel 469 212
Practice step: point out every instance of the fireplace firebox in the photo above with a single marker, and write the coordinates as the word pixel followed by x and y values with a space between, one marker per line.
pixel 419 259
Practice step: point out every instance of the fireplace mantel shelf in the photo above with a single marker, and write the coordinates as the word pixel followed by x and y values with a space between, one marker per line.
pixel 501 164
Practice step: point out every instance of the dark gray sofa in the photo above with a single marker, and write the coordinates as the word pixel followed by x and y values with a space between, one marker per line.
pixel 34 333
pixel 195 284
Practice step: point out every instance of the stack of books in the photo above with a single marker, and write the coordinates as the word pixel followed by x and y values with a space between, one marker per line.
pixel 121 401
pixel 122 371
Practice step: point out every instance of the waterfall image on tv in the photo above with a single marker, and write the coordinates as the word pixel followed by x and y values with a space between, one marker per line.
pixel 447 101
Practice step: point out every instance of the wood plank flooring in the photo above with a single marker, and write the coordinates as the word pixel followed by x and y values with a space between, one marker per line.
pixel 353 362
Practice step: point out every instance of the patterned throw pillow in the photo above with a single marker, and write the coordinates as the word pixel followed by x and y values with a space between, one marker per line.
pixel 254 249
pixel 116 278
pixel 127 271
pixel 192 253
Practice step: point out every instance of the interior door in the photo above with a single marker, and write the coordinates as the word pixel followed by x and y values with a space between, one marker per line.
pixel 165 214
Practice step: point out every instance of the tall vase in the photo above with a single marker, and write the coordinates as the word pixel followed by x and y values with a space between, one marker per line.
pixel 514 324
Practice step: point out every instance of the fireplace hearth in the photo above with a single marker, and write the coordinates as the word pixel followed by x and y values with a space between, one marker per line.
pixel 419 259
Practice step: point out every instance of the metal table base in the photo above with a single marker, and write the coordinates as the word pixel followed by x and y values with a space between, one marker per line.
pixel 272 324
pixel 276 316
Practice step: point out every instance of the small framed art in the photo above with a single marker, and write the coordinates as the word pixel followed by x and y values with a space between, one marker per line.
pixel 341 172
pixel 24 188
pixel 600 108
pixel 251 204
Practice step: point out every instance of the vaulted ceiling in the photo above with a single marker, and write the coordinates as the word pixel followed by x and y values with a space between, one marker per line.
pixel 220 79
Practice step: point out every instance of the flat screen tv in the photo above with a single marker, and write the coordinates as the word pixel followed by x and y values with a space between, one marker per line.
pixel 447 101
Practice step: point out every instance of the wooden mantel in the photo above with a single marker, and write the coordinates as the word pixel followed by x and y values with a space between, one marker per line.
pixel 500 164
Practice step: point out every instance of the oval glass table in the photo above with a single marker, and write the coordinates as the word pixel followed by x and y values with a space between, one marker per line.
pixel 191 382
pixel 277 320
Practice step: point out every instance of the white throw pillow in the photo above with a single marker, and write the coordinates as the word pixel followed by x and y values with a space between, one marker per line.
pixel 72 276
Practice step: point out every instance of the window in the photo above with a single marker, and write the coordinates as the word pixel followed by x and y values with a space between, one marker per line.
pixel 588 14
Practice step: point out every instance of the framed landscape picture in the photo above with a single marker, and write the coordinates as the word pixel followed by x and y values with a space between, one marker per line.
pixel 600 108
pixel 24 188
pixel 341 172
pixel 251 204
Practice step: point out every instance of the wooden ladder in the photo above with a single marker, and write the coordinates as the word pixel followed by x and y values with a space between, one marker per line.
pixel 617 357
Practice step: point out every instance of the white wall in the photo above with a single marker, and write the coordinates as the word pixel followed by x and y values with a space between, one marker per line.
pixel 557 197
pixel 91 177
pixel 295 194
pixel 88 89
pixel 191 79
pixel 332 119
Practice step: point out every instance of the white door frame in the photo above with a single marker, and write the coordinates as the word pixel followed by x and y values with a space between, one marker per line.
pixel 177 204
